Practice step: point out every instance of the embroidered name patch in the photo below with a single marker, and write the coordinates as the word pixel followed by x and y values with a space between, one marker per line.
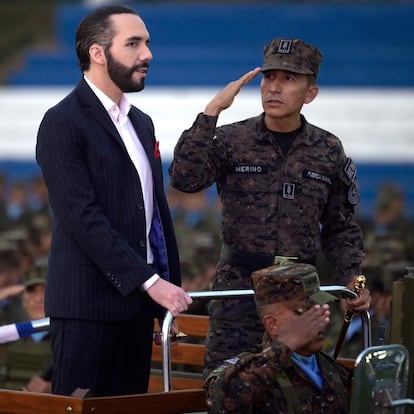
pixel 313 175
pixel 251 169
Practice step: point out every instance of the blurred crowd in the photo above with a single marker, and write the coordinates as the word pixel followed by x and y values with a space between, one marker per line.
pixel 389 252
pixel 25 236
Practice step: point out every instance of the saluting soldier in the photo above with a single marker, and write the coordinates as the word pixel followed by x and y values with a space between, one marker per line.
pixel 287 188
pixel 288 373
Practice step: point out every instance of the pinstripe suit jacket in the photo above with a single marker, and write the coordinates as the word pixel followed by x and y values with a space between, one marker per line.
pixel 97 260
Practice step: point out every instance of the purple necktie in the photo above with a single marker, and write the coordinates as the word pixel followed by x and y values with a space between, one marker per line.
pixel 157 241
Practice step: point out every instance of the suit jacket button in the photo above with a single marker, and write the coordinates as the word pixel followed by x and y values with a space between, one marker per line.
pixel 142 243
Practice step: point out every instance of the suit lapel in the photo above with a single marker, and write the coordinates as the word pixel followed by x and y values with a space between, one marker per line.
pixel 93 105
pixel 97 111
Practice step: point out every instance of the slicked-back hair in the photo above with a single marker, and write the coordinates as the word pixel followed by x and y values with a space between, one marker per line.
pixel 97 27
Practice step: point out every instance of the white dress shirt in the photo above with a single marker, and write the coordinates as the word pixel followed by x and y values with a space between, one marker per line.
pixel 119 116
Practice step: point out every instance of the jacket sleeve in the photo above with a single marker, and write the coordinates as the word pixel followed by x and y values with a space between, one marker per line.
pixel 240 383
pixel 198 156
pixel 341 236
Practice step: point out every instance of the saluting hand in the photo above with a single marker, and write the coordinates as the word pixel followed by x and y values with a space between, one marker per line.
pixel 226 96
pixel 303 329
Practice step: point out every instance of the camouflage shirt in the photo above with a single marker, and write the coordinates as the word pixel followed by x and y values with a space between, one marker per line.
pixel 273 204
pixel 268 382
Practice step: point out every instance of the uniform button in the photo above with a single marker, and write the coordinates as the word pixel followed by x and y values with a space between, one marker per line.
pixel 140 206
pixel 141 243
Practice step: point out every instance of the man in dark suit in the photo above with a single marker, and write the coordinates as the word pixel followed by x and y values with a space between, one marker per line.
pixel 114 262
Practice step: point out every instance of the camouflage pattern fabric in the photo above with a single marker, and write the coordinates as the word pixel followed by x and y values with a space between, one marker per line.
pixel 22 360
pixel 234 324
pixel 256 383
pixel 293 55
pixel 296 285
pixel 271 204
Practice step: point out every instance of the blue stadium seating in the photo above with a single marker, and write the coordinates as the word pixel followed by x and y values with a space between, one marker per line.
pixel 207 45
pixel 364 45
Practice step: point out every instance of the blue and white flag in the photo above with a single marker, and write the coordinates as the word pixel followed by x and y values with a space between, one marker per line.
pixel 16 331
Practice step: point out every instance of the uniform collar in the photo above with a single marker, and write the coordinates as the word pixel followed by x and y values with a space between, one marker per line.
pixel 304 137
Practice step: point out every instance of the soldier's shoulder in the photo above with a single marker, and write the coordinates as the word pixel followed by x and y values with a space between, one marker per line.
pixel 328 137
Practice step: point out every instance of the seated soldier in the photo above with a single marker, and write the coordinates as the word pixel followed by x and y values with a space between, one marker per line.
pixel 288 373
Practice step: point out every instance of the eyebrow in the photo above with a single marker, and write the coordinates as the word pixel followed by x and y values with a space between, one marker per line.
pixel 137 38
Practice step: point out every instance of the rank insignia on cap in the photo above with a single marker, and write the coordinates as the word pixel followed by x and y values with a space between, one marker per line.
pixel 310 283
pixel 284 46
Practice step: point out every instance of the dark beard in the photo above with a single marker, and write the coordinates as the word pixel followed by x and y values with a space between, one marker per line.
pixel 121 75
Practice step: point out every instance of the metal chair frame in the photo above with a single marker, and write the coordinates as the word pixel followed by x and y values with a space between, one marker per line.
pixel 228 294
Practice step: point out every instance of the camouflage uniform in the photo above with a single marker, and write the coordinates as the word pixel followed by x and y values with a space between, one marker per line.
pixel 272 204
pixel 260 215
pixel 267 381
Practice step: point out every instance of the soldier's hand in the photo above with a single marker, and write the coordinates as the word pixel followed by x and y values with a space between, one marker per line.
pixel 359 304
pixel 226 96
pixel 301 330
pixel 11 291
pixel 170 296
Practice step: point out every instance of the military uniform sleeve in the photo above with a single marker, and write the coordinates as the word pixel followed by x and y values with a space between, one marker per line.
pixel 241 383
pixel 342 240
pixel 198 156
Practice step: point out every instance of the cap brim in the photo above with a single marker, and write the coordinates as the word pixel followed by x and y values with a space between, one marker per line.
pixel 35 282
pixel 322 298
pixel 266 68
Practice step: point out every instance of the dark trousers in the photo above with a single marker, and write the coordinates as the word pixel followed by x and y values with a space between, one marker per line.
pixel 108 358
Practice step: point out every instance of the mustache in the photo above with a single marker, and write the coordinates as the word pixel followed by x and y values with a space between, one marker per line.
pixel 140 66
pixel 271 96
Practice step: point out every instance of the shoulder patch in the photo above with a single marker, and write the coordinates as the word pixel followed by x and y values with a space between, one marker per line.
pixel 350 170
pixel 231 361
pixel 353 193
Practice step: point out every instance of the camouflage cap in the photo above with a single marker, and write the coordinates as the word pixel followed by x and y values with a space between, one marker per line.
pixel 296 285
pixel 292 55
pixel 36 274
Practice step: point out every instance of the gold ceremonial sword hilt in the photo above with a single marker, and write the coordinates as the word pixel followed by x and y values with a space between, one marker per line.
pixel 359 285
pixel 174 337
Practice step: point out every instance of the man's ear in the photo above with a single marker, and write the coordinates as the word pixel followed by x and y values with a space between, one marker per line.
pixel 311 94
pixel 271 324
pixel 97 54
